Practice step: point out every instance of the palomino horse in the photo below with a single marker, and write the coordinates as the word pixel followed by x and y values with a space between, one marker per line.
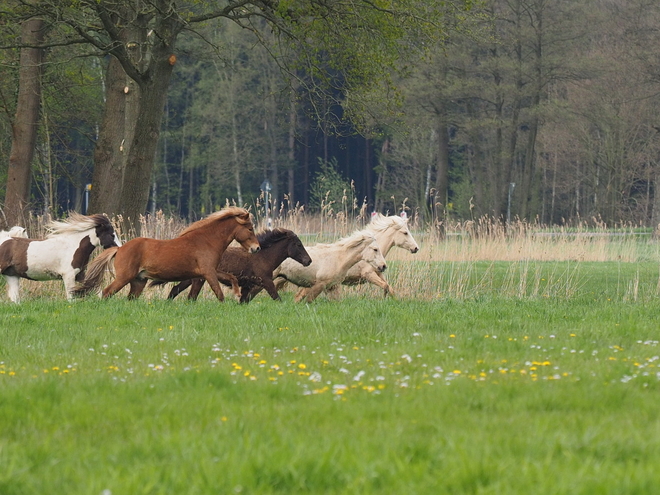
pixel 195 253
pixel 64 252
pixel 330 264
pixel 390 231
pixel 254 272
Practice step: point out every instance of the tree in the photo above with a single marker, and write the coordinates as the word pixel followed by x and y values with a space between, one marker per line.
pixel 361 41
pixel 24 127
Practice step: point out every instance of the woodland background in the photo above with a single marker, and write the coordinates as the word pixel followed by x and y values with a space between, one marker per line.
pixel 542 110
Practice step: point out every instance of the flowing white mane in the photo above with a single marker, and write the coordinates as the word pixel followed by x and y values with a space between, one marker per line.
pixel 352 241
pixel 74 224
pixel 380 222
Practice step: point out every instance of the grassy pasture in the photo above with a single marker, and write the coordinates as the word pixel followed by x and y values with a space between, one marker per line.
pixel 507 364
pixel 485 393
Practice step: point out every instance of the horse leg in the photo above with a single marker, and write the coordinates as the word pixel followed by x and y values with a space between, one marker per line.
pixel 279 282
pixel 12 289
pixel 229 279
pixel 113 288
pixel 302 292
pixel 377 279
pixel 212 279
pixel 197 284
pixel 270 288
pixel 313 292
pixel 69 280
pixel 333 292
pixel 179 288
pixel 248 293
pixel 137 286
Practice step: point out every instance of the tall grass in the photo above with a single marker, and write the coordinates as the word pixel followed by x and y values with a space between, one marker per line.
pixel 470 259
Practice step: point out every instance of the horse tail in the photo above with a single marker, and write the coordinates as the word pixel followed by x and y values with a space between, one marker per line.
pixel 95 272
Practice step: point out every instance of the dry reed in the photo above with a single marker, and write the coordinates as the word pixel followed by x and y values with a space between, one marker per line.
pixel 452 254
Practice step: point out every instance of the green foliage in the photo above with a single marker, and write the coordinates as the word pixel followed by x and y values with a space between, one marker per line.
pixel 329 190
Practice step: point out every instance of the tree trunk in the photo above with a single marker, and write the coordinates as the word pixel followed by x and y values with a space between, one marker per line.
pixel 140 162
pixel 24 128
pixel 111 147
pixel 153 85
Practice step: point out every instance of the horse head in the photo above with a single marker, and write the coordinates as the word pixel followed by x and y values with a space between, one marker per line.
pixel 297 251
pixel 403 238
pixel 393 231
pixel 17 231
pixel 372 255
pixel 244 234
pixel 105 233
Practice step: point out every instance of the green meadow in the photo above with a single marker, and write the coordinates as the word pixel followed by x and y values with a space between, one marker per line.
pixel 481 377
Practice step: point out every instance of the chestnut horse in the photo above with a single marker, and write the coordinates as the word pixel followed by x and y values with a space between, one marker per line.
pixel 64 252
pixel 254 272
pixel 195 253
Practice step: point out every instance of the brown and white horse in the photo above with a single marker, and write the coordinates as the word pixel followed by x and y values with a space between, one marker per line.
pixel 64 252
pixel 195 253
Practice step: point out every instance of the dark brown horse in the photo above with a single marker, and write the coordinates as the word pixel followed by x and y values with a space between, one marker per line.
pixel 195 253
pixel 254 272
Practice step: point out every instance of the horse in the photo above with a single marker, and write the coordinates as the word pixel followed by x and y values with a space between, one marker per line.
pixel 330 264
pixel 195 253
pixel 254 272
pixel 15 231
pixel 64 253
pixel 389 231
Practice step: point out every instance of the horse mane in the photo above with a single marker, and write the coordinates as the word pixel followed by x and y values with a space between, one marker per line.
pixel 380 222
pixel 351 241
pixel 231 211
pixel 76 222
pixel 269 237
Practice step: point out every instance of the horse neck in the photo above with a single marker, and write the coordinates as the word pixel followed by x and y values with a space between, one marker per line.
pixel 384 239
pixel 354 256
pixel 274 254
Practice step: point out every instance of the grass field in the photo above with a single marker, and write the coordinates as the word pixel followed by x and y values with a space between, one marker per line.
pixel 490 377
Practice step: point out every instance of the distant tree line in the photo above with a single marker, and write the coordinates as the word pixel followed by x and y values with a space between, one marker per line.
pixel 543 110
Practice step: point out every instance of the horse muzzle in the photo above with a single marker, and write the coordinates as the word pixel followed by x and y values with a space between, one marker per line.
pixel 255 249
pixel 414 250
pixel 382 268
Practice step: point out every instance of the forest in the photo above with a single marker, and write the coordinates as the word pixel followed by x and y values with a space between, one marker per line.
pixel 540 110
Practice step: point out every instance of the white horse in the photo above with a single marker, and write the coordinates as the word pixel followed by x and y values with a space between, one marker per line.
pixel 64 252
pixel 330 263
pixel 389 231
pixel 15 231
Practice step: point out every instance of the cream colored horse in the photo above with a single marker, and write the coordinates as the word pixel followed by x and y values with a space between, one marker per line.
pixel 330 264
pixel 389 231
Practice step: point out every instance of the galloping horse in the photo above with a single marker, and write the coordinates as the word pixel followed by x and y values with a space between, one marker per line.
pixel 390 231
pixel 64 252
pixel 254 272
pixel 330 264
pixel 15 231
pixel 195 253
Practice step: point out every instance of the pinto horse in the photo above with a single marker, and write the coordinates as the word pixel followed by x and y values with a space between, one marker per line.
pixel 330 264
pixel 195 253
pixel 254 272
pixel 64 252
